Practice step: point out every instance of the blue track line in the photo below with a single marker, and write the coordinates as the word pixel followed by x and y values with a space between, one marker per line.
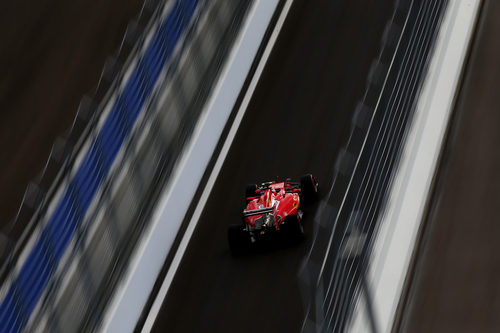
pixel 26 289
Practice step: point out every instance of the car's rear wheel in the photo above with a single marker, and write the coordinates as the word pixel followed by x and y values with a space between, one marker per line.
pixel 250 191
pixel 238 239
pixel 309 188
pixel 292 229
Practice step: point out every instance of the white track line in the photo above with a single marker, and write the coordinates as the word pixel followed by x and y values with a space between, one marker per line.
pixel 160 297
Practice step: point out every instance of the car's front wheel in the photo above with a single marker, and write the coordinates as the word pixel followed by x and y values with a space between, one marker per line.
pixel 309 188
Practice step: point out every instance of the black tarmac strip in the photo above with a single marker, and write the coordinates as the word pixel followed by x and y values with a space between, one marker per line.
pixel 296 123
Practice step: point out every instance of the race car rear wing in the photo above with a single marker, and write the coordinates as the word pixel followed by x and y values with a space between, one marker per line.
pixel 260 211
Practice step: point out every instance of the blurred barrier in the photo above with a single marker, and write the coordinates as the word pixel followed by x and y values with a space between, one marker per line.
pixel 394 249
pixel 346 225
pixel 42 256
pixel 64 267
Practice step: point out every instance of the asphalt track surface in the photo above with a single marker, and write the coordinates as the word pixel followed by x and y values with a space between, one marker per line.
pixel 455 285
pixel 52 53
pixel 296 123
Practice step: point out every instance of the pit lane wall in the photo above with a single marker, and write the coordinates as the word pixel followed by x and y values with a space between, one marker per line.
pixel 348 221
pixel 367 226
pixel 410 191
pixel 62 271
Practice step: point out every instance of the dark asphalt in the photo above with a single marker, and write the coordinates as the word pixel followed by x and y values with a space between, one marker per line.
pixel 456 281
pixel 52 53
pixel 297 121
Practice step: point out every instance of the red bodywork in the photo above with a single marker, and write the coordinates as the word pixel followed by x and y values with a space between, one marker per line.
pixel 283 198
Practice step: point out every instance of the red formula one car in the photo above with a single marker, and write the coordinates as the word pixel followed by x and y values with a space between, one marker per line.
pixel 272 213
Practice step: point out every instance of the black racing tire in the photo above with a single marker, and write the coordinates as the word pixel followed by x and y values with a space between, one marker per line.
pixel 292 229
pixel 238 239
pixel 309 188
pixel 250 191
